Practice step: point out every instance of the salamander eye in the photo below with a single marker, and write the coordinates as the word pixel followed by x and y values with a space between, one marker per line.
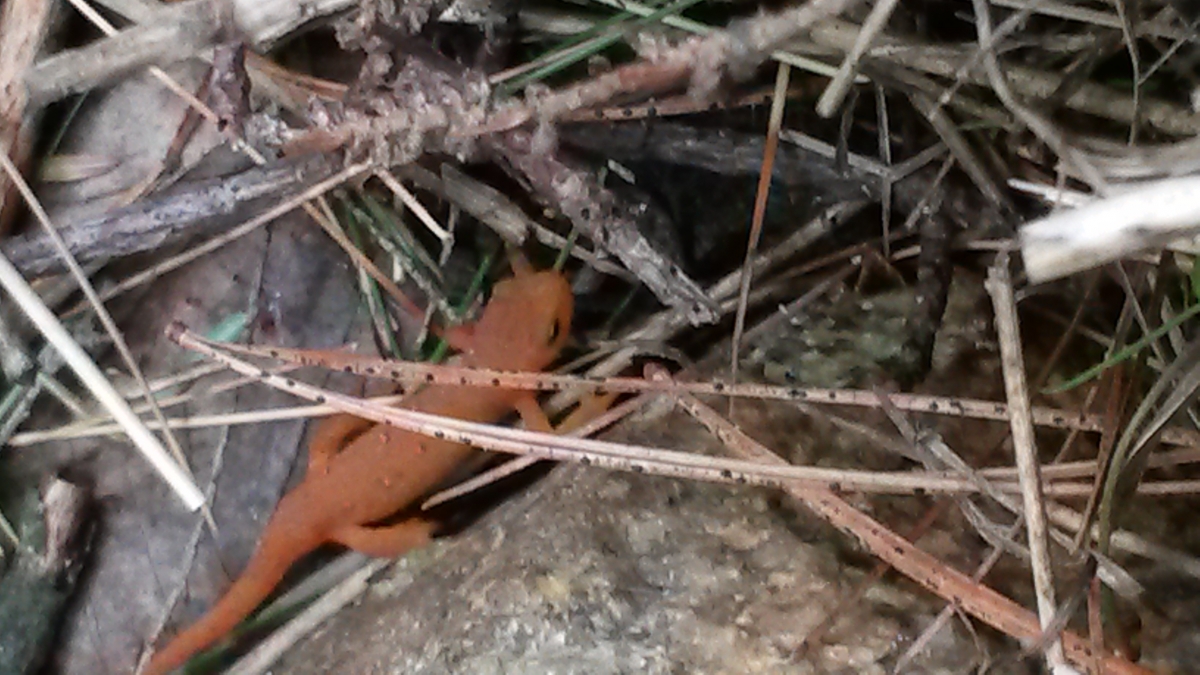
pixel 555 332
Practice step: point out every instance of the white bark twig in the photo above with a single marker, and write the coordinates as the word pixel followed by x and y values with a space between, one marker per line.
pixel 89 373
pixel 1107 229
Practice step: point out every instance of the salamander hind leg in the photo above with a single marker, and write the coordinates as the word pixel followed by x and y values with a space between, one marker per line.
pixel 387 541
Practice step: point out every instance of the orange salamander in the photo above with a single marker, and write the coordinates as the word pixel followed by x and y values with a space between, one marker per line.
pixel 360 472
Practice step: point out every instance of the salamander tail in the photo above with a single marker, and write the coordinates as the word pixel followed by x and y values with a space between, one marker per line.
pixel 276 552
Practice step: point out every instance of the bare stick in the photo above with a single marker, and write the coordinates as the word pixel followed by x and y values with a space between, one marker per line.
pixel 201 208
pixel 943 617
pixel 639 459
pixel 179 32
pixel 760 214
pixel 412 373
pixel 999 286
pixel 675 21
pixel 701 62
pixel 619 456
pixel 29 438
pixel 1036 123
pixel 110 326
pixel 1092 98
pixel 166 34
pixel 410 200
pixel 1158 27
pixel 606 219
pixel 835 93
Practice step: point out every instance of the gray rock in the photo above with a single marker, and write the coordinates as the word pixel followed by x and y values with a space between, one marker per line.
pixel 598 572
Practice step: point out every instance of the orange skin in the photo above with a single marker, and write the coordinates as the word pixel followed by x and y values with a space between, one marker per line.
pixel 361 472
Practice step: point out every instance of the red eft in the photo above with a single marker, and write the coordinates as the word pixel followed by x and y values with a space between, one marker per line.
pixel 360 472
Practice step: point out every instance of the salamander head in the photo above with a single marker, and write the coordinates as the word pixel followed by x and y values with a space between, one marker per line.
pixel 525 324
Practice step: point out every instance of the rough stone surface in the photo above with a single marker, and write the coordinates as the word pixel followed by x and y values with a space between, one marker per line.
pixel 597 572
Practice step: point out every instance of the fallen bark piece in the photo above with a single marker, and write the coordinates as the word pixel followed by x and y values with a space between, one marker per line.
pixel 206 207
pixel 41 576
pixel 25 26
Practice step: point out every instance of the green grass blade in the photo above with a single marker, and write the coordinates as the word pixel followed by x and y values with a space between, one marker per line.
pixel 1124 354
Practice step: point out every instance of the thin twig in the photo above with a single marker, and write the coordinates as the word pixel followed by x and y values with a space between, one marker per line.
pixel 620 456
pixel 178 32
pixel 417 207
pixel 166 34
pixel 760 214
pixel 999 286
pixel 415 372
pixel 24 26
pixel 699 62
pixel 198 209
pixel 831 99
pixel 1108 229
pixel 1072 12
pixel 792 59
pixel 918 645
pixel 1128 29
pixel 1091 98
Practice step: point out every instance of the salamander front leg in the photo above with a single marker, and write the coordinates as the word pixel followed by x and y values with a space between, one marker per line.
pixel 333 434
pixel 532 415
pixel 591 407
